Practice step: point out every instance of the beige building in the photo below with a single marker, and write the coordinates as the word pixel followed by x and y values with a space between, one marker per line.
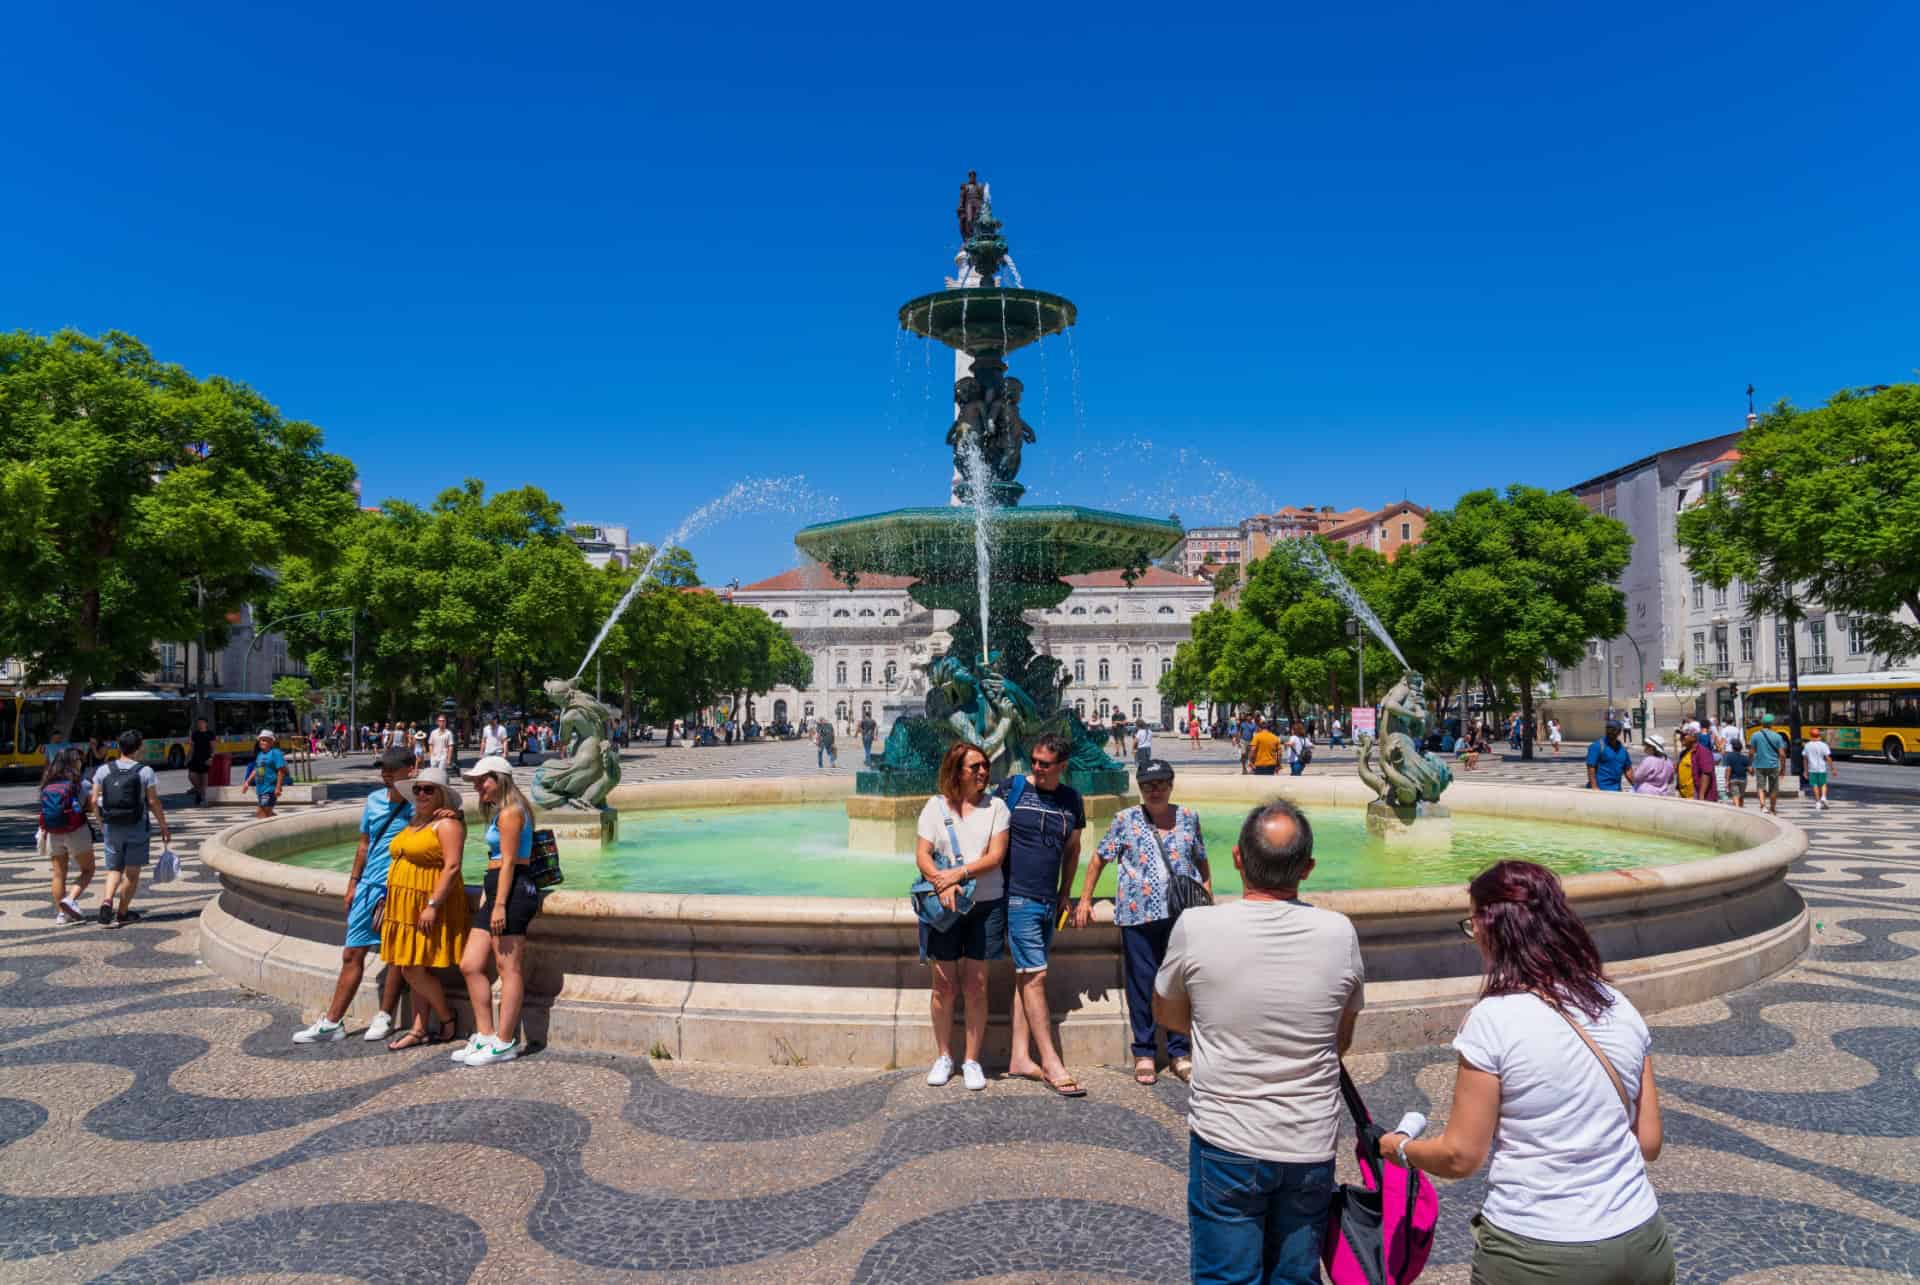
pixel 867 642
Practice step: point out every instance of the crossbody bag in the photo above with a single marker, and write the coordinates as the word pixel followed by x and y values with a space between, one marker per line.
pixel 926 901
pixel 1184 892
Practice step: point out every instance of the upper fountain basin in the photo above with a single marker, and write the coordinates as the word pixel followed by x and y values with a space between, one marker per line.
pixel 1034 545
pixel 983 318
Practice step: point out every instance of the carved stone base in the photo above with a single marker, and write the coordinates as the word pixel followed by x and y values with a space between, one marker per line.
pixel 577 824
pixel 1427 825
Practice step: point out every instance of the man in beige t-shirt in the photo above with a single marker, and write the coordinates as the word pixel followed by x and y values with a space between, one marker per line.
pixel 1269 987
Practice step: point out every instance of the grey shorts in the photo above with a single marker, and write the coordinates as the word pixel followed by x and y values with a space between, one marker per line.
pixel 128 851
pixel 1766 779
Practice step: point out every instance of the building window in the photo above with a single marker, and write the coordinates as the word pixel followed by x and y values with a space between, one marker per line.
pixel 893 673
pixel 1135 668
pixel 1078 611
pixel 1103 611
pixel 1699 595
pixel 806 710
pixel 778 614
pixel 1166 666
pixel 1741 592
pixel 1136 711
pixel 1780 646
pixel 866 613
pixel 866 673
pixel 1079 671
pixel 1165 610
pixel 840 673
pixel 841 613
pixel 1699 648
pixel 866 709
pixel 890 613
pixel 1080 709
pixel 1720 647
pixel 1720 596
pixel 1817 639
pixel 1856 636
pixel 1746 644
pixel 1105 670
pixel 840 712
pixel 1105 709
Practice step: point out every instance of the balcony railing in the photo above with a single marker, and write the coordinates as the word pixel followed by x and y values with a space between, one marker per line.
pixel 1816 664
pixel 1719 669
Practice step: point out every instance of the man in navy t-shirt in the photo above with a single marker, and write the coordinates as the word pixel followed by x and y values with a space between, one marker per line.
pixel 1043 853
pixel 1607 761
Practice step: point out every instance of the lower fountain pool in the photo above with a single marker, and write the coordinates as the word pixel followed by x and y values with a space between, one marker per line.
pixel 801 850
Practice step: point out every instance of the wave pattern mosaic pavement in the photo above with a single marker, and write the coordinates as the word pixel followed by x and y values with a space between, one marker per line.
pixel 156 1125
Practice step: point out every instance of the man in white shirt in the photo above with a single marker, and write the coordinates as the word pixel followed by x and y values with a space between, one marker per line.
pixel 493 738
pixel 1269 987
pixel 1142 743
pixel 440 745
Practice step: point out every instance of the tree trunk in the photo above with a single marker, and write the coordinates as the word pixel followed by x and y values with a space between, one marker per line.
pixel 69 711
pixel 1526 718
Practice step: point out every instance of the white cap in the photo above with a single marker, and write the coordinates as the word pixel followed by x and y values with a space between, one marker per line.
pixel 490 764
pixel 266 734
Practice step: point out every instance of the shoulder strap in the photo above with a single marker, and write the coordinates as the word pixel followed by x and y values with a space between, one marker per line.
pixel 1016 786
pixel 953 838
pixel 1606 1063
pixel 385 826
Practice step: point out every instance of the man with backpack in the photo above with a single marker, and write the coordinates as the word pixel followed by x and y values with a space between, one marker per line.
pixel 1769 749
pixel 125 791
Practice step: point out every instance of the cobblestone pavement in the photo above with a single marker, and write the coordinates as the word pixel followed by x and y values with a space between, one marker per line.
pixel 156 1125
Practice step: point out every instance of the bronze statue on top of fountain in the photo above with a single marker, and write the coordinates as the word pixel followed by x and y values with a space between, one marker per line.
pixel 973 196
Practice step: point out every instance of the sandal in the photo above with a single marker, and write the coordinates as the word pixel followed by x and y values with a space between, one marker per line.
pixel 1067 1088
pixel 412 1039
pixel 1144 1074
pixel 1182 1067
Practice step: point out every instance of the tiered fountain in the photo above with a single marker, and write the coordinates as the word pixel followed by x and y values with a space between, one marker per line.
pixel 985 558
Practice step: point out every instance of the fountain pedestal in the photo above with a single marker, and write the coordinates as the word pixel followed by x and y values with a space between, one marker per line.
pixel 1423 825
pixel 601 825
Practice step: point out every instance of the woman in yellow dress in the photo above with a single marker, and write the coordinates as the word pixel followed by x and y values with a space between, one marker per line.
pixel 426 909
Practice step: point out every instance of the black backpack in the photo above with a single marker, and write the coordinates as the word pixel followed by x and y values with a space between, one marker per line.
pixel 122 799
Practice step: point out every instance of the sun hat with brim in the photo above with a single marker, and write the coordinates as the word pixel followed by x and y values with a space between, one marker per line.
pixel 438 776
pixel 488 766
pixel 1657 745
pixel 266 734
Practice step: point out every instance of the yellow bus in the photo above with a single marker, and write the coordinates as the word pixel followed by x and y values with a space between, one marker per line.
pixel 1875 713
pixel 27 721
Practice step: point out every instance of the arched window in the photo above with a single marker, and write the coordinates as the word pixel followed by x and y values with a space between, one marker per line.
pixel 891 613
pixel 841 613
pixel 1104 709
pixel 1078 611
pixel 866 673
pixel 779 711
pixel 1079 671
pixel 1106 670
pixel 893 673
pixel 1165 610
pixel 1136 711
pixel 1103 611
pixel 806 710
pixel 1080 710
pixel 778 614
pixel 840 673
pixel 866 613
pixel 1135 669
pixel 1166 664
pixel 866 709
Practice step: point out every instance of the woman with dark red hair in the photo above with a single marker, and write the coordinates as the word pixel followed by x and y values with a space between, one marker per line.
pixel 1554 1079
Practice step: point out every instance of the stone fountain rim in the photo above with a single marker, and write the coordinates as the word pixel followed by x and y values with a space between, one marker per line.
pixel 961 515
pixel 1770 846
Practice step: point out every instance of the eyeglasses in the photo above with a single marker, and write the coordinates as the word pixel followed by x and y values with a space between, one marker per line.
pixel 976 767
pixel 1466 926
pixel 1041 765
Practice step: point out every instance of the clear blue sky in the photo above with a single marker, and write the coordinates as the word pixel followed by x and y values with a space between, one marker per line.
pixel 1319 259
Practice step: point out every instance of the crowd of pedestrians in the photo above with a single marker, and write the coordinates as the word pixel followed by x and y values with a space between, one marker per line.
pixel 122 795
pixel 1709 762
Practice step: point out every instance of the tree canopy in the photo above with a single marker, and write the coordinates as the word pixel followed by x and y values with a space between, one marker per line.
pixel 138 503
pixel 1822 504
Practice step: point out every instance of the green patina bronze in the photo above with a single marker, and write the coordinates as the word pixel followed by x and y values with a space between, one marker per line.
pixel 1004 703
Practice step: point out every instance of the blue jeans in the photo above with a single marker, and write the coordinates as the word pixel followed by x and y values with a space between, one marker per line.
pixel 1144 949
pixel 1295 767
pixel 1254 1222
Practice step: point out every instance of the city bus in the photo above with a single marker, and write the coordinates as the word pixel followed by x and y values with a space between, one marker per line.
pixel 1875 713
pixel 27 721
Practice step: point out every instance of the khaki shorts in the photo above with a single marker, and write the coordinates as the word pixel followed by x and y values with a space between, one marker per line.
pixel 74 843
pixel 1643 1256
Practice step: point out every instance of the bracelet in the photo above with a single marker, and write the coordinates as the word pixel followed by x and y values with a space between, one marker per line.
pixel 1402 1152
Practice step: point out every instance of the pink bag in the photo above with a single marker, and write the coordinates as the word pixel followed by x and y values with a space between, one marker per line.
pixel 1382 1233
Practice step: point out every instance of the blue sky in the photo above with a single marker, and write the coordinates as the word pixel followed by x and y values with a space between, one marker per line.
pixel 1319 258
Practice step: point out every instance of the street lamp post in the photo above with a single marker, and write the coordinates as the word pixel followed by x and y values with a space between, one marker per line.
pixel 353 660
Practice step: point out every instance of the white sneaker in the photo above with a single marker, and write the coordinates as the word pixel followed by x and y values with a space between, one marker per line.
pixel 379 1028
pixel 942 1071
pixel 320 1031
pixel 63 918
pixel 487 1052
pixel 470 1047
pixel 973 1076
pixel 72 906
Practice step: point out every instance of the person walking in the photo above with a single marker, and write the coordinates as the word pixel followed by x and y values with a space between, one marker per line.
pixel 1268 989
pixel 1654 773
pixel 385 813
pixel 1819 758
pixel 440 746
pixel 1142 743
pixel 126 797
pixel 1045 822
pixel 1700 766
pixel 868 730
pixel 493 738
pixel 199 759
pixel 64 833
pixel 1262 756
pixel 1148 845
pixel 1608 760
pixel 1769 748
pixel 426 921
pixel 1299 750
pixel 1553 735
pixel 967 825
pixel 823 754
pixel 508 902
pixel 1554 1079
pixel 1193 726
pixel 1736 762
pixel 267 773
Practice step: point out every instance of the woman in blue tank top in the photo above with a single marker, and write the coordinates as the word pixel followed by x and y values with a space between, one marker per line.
pixel 508 903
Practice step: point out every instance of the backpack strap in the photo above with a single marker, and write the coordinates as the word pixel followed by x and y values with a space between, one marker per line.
pixel 1016 786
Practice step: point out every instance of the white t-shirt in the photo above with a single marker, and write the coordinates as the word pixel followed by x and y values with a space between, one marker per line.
pixel 1295 745
pixel 1268 982
pixel 1565 1165
pixel 1818 755
pixel 976 831
pixel 440 746
pixel 493 739
pixel 1143 737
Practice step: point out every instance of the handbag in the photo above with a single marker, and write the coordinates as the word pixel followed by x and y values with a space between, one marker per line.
pixel 1184 892
pixel 543 867
pixel 1380 1233
pixel 926 901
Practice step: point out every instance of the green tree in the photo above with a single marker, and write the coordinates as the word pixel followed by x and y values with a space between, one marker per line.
pixel 1504 587
pixel 140 503
pixel 1226 577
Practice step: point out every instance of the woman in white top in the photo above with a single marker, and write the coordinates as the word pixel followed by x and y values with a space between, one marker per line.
pixel 1554 1078
pixel 966 812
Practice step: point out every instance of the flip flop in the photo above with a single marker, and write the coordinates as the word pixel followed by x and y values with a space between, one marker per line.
pixel 1067 1088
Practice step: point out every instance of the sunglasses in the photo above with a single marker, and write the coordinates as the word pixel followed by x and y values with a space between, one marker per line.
pixel 420 790
pixel 1467 927
pixel 1041 765
pixel 976 767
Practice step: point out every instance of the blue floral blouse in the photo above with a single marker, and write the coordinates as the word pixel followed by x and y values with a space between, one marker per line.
pixel 1132 846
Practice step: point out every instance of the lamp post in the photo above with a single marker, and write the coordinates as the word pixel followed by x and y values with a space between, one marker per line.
pixel 353 662
pixel 1359 660
pixel 1641 660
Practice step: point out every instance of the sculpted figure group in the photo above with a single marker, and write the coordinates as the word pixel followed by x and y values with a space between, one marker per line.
pixel 988 419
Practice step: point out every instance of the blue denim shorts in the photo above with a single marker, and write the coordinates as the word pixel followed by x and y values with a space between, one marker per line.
pixel 1030 924
pixel 363 923
pixel 981 933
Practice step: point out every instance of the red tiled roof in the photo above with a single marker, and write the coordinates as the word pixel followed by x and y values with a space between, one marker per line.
pixel 816 577
pixel 1151 578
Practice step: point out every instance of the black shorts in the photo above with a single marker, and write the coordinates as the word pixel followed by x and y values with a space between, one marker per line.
pixel 981 934
pixel 199 765
pixel 523 903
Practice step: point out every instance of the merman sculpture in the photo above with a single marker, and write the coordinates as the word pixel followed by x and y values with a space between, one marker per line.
pixel 1408 780
pixel 592 765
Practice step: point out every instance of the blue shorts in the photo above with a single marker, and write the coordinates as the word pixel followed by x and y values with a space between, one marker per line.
pixel 363 916
pixel 1030 924
pixel 980 934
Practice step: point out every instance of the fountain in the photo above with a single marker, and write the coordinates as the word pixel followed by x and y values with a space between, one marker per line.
pixel 985 558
